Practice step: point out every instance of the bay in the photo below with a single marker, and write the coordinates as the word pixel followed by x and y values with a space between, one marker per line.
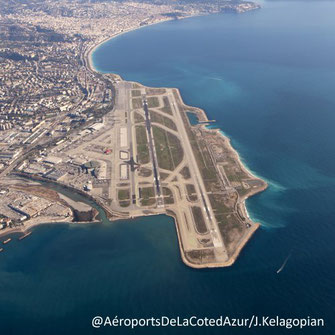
pixel 268 79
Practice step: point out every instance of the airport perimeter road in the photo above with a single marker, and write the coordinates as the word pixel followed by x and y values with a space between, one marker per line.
pixel 198 181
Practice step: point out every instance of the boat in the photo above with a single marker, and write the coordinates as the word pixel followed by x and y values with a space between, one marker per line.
pixel 1 249
pixel 25 235
pixel 7 241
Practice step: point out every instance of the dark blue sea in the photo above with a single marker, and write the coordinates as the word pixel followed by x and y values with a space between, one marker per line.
pixel 268 78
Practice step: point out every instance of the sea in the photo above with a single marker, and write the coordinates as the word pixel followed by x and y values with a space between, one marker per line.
pixel 268 79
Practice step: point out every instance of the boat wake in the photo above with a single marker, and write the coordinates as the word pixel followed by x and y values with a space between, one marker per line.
pixel 284 264
pixel 214 78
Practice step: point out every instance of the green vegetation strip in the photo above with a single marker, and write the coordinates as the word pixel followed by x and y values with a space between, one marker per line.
pixel 168 196
pixel 147 196
pixel 153 102
pixel 138 118
pixel 123 194
pixel 203 158
pixel 135 93
pixel 155 91
pixel 168 149
pixel 231 229
pixel 185 172
pixel 162 149
pixel 199 220
pixel 167 122
pixel 137 103
pixel 124 203
pixel 144 172
pixel 142 145
pixel 167 108
pixel 218 204
pixel 191 192
pixel 175 148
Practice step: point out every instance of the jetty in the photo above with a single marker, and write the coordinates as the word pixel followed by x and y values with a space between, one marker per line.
pixel 25 235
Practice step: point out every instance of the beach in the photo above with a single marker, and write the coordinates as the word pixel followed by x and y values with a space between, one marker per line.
pixel 95 45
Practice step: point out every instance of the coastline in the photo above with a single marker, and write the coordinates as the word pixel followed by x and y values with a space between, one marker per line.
pixel 277 112
pixel 88 53
pixel 31 226
pixel 242 201
pixel 203 117
pixel 88 60
pixel 26 228
pixel 230 261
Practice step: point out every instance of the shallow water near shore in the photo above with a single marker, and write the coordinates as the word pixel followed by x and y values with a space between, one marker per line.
pixel 267 78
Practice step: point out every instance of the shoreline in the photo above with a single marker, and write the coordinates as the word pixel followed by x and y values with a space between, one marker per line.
pixel 88 62
pixel 88 53
pixel 254 225
pixel 229 262
pixel 203 117
pixel 26 228
pixel 30 227
pixel 94 45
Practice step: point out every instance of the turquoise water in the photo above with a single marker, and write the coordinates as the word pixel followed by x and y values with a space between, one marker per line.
pixel 268 78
